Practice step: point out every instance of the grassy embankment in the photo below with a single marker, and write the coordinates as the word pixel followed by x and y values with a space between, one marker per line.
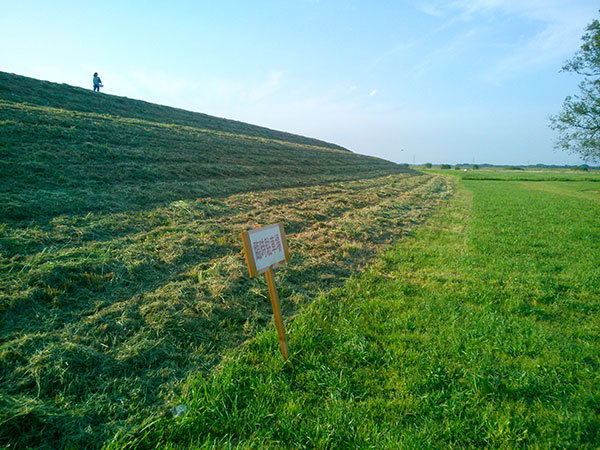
pixel 121 269
pixel 480 329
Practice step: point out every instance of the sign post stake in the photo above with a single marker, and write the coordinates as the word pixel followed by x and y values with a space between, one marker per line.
pixel 266 248
pixel 277 315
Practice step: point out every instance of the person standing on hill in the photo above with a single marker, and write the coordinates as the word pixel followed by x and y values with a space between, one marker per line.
pixel 97 82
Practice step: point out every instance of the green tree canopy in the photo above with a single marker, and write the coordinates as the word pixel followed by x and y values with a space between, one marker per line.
pixel 578 124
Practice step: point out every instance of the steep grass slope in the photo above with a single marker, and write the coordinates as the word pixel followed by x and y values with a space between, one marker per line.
pixel 121 269
pixel 68 150
pixel 19 89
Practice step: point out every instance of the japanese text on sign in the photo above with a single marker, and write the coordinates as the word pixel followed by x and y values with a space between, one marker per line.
pixel 265 247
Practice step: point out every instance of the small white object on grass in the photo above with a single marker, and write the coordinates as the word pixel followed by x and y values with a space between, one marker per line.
pixel 179 410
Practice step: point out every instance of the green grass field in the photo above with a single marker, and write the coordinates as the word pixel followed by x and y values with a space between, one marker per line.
pixel 479 329
pixel 528 175
pixel 121 264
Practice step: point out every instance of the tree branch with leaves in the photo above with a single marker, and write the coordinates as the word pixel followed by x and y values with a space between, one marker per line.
pixel 578 124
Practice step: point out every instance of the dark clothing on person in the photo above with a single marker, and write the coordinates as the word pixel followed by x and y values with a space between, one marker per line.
pixel 97 83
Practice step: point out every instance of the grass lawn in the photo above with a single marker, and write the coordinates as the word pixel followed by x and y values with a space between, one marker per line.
pixel 121 264
pixel 480 329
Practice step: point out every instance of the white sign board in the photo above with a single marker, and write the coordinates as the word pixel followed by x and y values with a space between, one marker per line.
pixel 265 247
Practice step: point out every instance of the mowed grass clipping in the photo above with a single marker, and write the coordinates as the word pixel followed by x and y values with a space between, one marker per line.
pixel 480 329
pixel 121 264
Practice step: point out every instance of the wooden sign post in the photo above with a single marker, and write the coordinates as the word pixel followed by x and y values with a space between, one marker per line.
pixel 266 248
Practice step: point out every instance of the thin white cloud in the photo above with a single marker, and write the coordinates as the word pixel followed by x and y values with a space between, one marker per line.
pixel 373 93
pixel 448 52
pixel 209 94
pixel 559 26
pixel 430 9
pixel 539 10
pixel 269 87
pixel 555 43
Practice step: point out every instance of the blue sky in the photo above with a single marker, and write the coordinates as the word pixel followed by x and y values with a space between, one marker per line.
pixel 424 80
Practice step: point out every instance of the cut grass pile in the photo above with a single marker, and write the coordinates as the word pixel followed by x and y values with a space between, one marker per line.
pixel 481 329
pixel 121 268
